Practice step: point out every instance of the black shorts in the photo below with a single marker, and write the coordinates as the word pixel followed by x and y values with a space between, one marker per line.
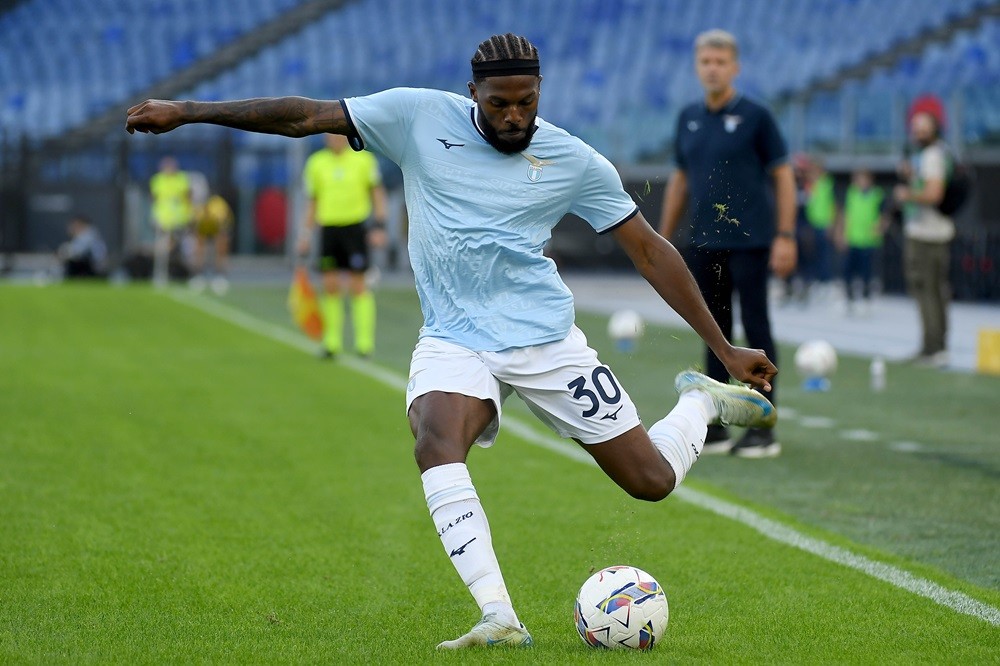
pixel 343 248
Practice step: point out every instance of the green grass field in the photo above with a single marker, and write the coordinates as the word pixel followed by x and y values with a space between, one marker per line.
pixel 176 487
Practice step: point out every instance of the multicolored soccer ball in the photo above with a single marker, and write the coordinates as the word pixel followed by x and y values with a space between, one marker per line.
pixel 621 607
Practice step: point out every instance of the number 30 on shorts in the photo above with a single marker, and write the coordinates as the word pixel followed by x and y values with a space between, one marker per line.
pixel 603 382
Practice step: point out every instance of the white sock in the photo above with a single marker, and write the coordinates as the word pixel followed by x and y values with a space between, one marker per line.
pixel 465 533
pixel 680 435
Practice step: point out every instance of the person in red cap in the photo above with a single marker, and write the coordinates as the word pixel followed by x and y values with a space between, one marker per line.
pixel 927 231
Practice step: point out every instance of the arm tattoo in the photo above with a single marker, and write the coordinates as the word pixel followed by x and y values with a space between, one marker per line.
pixel 288 116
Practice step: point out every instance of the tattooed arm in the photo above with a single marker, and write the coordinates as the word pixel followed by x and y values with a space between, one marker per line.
pixel 288 116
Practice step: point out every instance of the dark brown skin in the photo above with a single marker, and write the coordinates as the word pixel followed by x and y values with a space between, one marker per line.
pixel 508 103
pixel 446 425
pixel 288 116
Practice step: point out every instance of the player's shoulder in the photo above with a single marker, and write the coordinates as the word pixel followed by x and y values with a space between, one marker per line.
pixel 431 97
pixel 556 140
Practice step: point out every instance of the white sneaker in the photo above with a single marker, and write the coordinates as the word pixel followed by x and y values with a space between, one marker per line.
pixel 489 632
pixel 935 360
pixel 737 405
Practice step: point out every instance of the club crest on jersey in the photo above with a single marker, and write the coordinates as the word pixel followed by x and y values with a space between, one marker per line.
pixel 535 167
pixel 731 122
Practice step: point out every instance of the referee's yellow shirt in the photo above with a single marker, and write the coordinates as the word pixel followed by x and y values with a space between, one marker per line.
pixel 341 184
pixel 171 205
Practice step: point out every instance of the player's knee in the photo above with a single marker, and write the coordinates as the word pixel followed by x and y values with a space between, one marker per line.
pixel 652 487
pixel 431 450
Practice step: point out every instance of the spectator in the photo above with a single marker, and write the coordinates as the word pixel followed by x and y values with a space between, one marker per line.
pixel 85 254
pixel 821 212
pixel 859 232
pixel 927 232
pixel 728 150
pixel 213 224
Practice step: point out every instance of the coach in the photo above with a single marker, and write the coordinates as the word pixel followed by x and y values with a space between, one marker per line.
pixel 728 150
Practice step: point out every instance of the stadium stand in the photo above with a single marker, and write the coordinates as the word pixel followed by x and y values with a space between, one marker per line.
pixel 839 74
pixel 61 62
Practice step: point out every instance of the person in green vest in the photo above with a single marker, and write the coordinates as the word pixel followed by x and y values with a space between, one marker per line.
pixel 170 189
pixel 345 190
pixel 860 232
pixel 821 213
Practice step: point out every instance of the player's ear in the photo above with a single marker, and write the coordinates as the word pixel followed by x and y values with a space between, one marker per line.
pixel 472 91
pixel 539 84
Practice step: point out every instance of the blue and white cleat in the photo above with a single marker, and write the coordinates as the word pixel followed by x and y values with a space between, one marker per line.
pixel 491 633
pixel 737 405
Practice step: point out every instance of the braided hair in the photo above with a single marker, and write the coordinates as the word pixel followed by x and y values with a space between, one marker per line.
pixel 505 47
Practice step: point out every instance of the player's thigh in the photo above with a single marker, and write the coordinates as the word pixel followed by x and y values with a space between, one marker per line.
pixel 446 425
pixel 632 462
pixel 568 388
pixel 464 402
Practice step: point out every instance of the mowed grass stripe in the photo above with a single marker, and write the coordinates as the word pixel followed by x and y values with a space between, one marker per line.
pixel 955 600
pixel 175 491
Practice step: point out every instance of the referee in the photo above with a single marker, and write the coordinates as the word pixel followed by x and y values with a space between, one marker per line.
pixel 733 171
pixel 344 189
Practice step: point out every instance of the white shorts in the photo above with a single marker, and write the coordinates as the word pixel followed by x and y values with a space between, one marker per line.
pixel 562 382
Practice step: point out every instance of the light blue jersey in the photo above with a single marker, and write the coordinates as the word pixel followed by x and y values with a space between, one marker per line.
pixel 478 219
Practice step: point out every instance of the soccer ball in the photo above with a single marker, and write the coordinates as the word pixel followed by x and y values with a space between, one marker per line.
pixel 816 358
pixel 625 327
pixel 621 607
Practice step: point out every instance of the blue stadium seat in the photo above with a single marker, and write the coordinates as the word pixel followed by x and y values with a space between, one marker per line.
pixel 622 59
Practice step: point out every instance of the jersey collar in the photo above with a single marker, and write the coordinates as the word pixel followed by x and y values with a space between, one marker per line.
pixel 728 108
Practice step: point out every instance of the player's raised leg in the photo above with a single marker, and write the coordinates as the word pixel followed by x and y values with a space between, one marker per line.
pixel 445 425
pixel 653 472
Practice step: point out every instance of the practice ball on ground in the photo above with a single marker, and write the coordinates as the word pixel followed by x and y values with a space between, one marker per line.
pixel 621 607
pixel 816 358
pixel 625 325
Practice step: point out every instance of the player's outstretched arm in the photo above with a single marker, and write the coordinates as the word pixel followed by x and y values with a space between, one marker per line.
pixel 664 268
pixel 288 116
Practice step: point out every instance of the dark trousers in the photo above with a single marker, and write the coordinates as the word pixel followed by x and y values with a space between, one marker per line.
pixel 822 260
pixel 859 265
pixel 79 268
pixel 719 273
pixel 927 266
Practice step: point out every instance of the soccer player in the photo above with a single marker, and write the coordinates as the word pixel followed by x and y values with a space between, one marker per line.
pixel 485 182
pixel 345 189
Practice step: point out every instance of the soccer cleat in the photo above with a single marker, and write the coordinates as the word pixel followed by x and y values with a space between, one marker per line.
pixel 736 405
pixel 491 633
pixel 757 443
pixel 717 440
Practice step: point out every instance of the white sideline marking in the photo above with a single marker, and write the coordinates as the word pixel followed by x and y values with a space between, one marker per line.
pixel 821 422
pixel 906 447
pixel 859 435
pixel 772 529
